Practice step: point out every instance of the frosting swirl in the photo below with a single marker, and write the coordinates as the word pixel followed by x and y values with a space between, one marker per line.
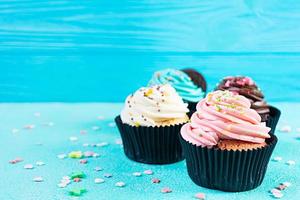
pixel 182 83
pixel 246 86
pixel 224 115
pixel 151 106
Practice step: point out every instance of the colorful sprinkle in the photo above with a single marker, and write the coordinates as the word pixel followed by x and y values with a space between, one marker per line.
pixel 200 196
pixel 291 162
pixel 285 129
pixel 99 180
pixel 95 128
pixel 16 160
pixel 83 132
pixel 88 154
pixel 137 174
pixel 28 166
pixel 102 144
pixel 29 126
pixel 119 141
pixel 155 180
pixel 98 169
pixel 83 161
pixel 166 190
pixel 120 184
pixel 38 179
pixel 75 154
pixel 73 138
pixel 287 184
pixel 77 180
pixel 148 172
pixel 77 192
pixel 277 159
pixel 40 163
pixel 77 175
pixel 61 156
pixel 107 175
pixel 85 144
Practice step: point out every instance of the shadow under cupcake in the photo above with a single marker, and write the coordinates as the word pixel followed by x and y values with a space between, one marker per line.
pixel 226 146
pixel 150 124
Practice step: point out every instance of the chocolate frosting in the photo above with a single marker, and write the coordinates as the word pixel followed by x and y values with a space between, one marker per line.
pixel 246 86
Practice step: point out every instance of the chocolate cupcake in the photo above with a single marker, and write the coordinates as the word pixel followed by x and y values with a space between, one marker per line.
pixel 226 146
pixel 150 123
pixel 247 87
pixel 188 83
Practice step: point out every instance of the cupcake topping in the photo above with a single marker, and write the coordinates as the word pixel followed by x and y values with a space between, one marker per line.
pixel 182 83
pixel 152 105
pixel 246 86
pixel 224 115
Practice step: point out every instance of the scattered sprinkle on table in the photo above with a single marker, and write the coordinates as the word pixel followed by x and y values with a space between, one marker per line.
pixel 119 141
pixel 73 138
pixel 28 166
pixel 107 175
pixel 77 175
pixel 83 132
pixel 83 161
pixel 29 126
pixel 277 159
pixel 77 192
pixel 200 196
pixel 285 129
pixel 95 128
pixel 75 154
pixel 88 154
pixel 102 144
pixel 98 169
pixel 137 174
pixel 120 184
pixel 96 155
pixel 16 160
pixel 38 179
pixel 62 156
pixel 291 162
pixel 148 172
pixel 77 180
pixel 40 163
pixel 166 190
pixel 99 180
pixel 155 180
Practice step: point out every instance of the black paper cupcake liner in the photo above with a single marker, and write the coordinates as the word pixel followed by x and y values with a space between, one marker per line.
pixel 151 145
pixel 232 171
pixel 273 118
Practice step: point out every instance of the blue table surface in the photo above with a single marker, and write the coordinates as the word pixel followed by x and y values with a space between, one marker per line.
pixel 44 143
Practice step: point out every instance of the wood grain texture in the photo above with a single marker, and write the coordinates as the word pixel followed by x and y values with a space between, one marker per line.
pixel 102 50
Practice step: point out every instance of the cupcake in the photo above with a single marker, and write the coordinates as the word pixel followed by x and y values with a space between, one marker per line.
pixel 247 87
pixel 226 145
pixel 188 83
pixel 150 123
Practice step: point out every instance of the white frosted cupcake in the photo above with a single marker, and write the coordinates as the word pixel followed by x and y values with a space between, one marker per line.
pixel 150 123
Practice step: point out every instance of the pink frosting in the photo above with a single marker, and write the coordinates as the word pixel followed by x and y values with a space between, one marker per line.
pixel 224 115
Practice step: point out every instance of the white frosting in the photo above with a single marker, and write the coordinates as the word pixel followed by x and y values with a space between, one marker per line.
pixel 150 106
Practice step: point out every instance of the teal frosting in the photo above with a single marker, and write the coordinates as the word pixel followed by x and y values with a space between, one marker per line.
pixel 182 83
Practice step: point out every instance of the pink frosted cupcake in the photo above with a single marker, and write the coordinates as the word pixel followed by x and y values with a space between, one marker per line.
pixel 226 145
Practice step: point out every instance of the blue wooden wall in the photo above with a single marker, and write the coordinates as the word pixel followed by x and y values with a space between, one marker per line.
pixel 88 51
